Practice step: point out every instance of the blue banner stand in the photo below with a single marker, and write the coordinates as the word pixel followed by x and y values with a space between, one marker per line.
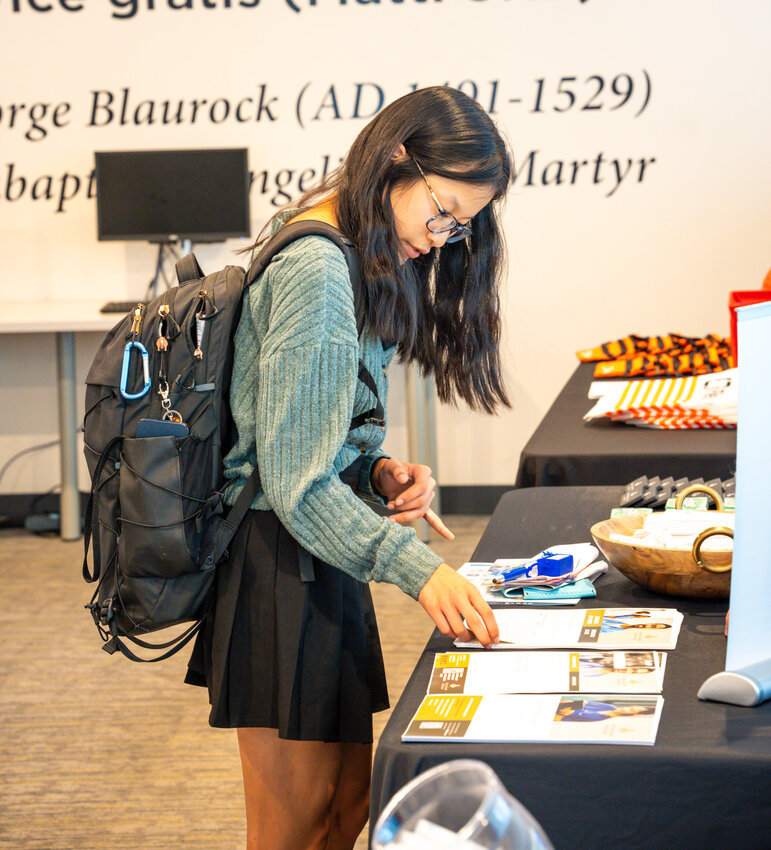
pixel 747 677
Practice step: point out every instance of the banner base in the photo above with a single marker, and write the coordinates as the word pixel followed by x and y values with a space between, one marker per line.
pixel 748 686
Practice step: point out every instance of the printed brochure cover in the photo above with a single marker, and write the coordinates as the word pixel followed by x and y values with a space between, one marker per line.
pixel 591 628
pixel 583 671
pixel 537 718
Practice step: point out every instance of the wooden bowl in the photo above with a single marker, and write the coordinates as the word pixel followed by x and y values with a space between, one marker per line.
pixel 669 571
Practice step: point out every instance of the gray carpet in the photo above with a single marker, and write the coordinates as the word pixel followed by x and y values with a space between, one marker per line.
pixel 97 752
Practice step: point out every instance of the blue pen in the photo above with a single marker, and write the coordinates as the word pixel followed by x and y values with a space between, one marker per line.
pixel 513 573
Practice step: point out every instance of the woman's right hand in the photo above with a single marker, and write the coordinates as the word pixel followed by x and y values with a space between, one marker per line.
pixel 449 599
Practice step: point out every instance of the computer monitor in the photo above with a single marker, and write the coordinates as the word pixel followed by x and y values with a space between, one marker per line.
pixel 171 195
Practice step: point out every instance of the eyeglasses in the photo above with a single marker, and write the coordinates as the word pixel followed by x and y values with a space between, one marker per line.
pixel 443 221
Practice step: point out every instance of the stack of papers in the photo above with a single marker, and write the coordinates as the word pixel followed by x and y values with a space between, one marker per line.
pixel 706 401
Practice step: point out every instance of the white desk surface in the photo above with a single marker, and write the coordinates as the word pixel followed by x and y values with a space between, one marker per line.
pixel 55 316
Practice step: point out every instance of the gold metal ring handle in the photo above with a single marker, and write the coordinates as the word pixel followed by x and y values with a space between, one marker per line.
pixel 698 488
pixel 710 532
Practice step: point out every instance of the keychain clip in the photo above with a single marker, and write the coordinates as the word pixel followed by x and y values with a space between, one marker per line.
pixel 168 413
pixel 124 372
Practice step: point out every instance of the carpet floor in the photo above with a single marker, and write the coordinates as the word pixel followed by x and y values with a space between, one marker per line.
pixel 97 753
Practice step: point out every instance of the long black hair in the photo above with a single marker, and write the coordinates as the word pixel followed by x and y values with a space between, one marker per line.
pixel 441 309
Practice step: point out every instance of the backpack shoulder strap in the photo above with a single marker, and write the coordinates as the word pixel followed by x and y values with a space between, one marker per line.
pixel 308 227
pixel 298 230
pixel 376 415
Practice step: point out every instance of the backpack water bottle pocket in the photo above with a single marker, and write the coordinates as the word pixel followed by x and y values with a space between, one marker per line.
pixel 158 520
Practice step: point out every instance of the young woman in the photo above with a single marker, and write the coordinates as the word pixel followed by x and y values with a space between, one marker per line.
pixel 291 655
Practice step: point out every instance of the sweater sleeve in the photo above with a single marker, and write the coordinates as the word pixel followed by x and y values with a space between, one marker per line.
pixel 365 488
pixel 307 374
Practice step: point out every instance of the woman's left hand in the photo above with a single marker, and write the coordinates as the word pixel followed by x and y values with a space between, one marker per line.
pixel 409 489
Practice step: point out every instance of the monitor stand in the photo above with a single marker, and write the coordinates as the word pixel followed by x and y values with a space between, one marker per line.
pixel 167 251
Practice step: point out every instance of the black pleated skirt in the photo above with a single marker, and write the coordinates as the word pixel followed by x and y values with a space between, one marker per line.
pixel 297 653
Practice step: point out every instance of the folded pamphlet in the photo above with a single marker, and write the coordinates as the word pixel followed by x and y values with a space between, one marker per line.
pixel 599 628
pixel 584 671
pixel 537 718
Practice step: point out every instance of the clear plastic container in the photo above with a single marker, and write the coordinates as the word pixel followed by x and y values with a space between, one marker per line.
pixel 466 798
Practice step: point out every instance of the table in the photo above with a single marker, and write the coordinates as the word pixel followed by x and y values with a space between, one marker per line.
pixel 64 318
pixel 705 784
pixel 565 450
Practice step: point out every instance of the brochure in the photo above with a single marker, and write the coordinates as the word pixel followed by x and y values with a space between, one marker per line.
pixel 594 628
pixel 584 671
pixel 537 718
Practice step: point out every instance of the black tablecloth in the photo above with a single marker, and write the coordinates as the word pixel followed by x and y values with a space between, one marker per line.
pixel 705 784
pixel 565 450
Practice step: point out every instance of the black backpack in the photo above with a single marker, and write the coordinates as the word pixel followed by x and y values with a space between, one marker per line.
pixel 156 428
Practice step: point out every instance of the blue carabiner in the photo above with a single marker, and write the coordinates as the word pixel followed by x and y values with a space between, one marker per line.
pixel 125 369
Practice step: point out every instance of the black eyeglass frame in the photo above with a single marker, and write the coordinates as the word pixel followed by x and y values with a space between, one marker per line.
pixel 457 231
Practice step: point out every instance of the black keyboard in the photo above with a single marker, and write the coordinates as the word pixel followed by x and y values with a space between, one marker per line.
pixel 120 306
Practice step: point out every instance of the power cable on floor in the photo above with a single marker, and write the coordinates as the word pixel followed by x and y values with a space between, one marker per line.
pixel 24 452
pixel 4 519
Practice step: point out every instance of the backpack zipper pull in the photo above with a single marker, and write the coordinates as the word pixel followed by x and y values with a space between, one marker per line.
pixel 162 343
pixel 137 322
pixel 200 324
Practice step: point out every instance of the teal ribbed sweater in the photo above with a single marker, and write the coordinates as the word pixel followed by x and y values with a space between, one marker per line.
pixel 294 391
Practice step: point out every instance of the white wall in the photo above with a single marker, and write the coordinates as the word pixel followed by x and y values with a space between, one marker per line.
pixel 590 260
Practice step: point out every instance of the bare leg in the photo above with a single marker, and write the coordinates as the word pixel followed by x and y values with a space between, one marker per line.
pixel 350 806
pixel 294 796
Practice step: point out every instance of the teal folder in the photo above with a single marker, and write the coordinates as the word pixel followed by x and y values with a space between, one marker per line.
pixel 571 590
